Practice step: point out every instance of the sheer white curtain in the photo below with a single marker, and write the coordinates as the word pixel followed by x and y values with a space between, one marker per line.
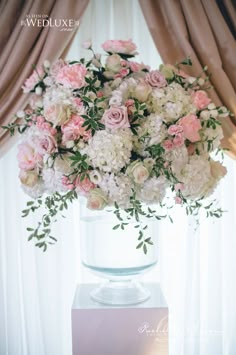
pixel 197 270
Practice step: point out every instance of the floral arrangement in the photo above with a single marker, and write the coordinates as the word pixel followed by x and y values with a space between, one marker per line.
pixel 120 134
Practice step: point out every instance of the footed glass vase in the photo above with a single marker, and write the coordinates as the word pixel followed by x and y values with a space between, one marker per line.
pixel 112 255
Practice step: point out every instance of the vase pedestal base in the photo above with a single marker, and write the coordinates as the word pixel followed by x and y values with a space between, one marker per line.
pixel 99 329
pixel 120 293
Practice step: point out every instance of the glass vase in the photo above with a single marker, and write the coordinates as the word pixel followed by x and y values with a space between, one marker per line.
pixel 112 255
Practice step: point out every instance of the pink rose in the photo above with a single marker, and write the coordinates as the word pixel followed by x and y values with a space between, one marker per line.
pixel 122 73
pixel 156 79
pixel 72 76
pixel 44 126
pixel 119 46
pixel 179 186
pixel 136 67
pixel 178 140
pixel 35 77
pixel 116 117
pixel 168 144
pixel 67 183
pixel 87 44
pixel 27 156
pixel 200 99
pixel 175 129
pixel 130 106
pixel 73 130
pixel 178 200
pixel 191 126
pixel 45 143
pixel 84 186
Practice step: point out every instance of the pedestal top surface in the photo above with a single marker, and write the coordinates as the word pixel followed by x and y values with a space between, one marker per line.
pixel 82 299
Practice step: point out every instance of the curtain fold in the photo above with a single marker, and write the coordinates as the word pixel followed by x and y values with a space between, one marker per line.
pixel 182 28
pixel 23 46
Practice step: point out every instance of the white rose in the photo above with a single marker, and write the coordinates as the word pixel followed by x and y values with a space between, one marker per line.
pixel 57 114
pixel 142 91
pixel 28 178
pixel 96 200
pixel 218 171
pixel 167 71
pixel 113 63
pixel 138 172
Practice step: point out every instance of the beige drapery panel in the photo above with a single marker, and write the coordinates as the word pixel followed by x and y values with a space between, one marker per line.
pixel 22 46
pixel 196 28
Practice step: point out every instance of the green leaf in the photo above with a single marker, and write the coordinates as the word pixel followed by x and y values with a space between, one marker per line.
pixel 139 245
pixel 116 226
pixel 145 249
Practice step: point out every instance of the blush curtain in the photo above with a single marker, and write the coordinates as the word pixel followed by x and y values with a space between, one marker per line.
pixel 198 29
pixel 21 47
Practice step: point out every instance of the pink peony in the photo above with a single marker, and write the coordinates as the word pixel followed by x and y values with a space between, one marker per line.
pixel 73 130
pixel 119 46
pixel 156 79
pixel 200 99
pixel 84 186
pixel 72 76
pixel 116 117
pixel 56 67
pixel 191 126
pixel 35 77
pixel 27 156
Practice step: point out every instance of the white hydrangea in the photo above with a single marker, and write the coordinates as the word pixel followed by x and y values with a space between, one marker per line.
pixel 57 94
pixel 153 190
pixel 171 102
pixel 36 191
pixel 108 151
pixel 117 188
pixel 52 176
pixel 151 131
pixel 196 176
pixel 178 158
